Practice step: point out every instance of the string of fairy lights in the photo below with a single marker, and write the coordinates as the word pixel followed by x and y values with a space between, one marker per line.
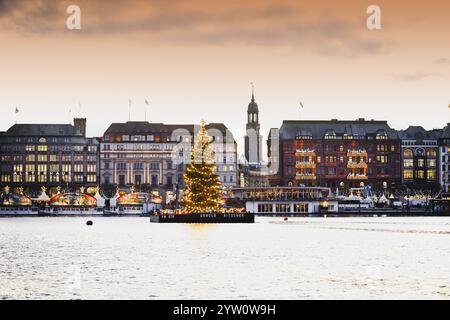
pixel 203 186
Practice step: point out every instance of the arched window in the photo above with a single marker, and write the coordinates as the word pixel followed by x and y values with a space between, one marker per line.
pixel 408 153
pixel 431 153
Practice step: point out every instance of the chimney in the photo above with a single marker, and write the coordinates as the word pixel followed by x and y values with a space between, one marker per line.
pixel 80 124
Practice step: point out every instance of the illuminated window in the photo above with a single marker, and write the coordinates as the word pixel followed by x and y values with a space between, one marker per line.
pixel 30 148
pixel 431 153
pixel 431 163
pixel 431 175
pixel 382 159
pixel 381 135
pixel 330 135
pixel 42 158
pixel 420 174
pixel 408 163
pixel 42 148
pixel 421 163
pixel 31 158
pixel 408 174
pixel 408 153
pixel 301 207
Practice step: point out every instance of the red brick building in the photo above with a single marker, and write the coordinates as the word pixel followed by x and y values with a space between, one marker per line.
pixel 339 154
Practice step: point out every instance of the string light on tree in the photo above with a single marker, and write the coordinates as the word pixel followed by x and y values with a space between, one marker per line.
pixel 203 186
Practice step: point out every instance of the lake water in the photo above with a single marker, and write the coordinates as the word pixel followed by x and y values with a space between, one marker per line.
pixel 304 258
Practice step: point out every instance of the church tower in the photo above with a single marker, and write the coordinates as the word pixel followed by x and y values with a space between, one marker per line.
pixel 253 139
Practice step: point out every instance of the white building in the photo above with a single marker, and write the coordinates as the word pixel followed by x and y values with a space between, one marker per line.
pixel 156 154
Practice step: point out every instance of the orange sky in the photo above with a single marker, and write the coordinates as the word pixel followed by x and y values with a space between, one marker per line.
pixel 195 59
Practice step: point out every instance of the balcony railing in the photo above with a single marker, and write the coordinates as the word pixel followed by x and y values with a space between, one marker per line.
pixel 305 177
pixel 305 153
pixel 357 153
pixel 357 165
pixel 357 177
pixel 300 164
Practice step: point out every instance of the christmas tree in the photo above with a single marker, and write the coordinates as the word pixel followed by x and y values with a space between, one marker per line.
pixel 203 186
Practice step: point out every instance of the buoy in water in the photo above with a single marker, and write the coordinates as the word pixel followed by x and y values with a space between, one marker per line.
pixel 286 218
pixel 89 223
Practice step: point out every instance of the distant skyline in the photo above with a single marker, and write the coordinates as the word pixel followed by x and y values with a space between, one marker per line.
pixel 195 59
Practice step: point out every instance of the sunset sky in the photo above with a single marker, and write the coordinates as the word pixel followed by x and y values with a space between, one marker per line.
pixel 195 59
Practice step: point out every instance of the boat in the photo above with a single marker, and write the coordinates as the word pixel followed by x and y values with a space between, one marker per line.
pixel 133 204
pixel 72 204
pixel 244 217
pixel 16 204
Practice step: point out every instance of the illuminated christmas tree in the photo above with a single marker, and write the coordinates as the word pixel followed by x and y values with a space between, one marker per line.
pixel 203 186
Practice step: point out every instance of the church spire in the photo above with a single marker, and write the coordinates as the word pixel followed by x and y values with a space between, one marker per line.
pixel 253 91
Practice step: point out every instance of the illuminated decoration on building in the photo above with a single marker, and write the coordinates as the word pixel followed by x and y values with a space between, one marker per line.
pixel 73 199
pixel 305 164
pixel 357 164
pixel 203 186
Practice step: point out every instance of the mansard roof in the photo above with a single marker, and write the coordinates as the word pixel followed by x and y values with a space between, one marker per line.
pixel 43 130
pixel 419 133
pixel 147 128
pixel 446 132
pixel 319 128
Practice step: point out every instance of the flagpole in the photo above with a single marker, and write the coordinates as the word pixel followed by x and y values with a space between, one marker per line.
pixel 146 106
pixel 145 111
pixel 16 112
pixel 301 107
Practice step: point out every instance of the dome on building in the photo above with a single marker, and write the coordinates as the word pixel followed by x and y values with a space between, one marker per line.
pixel 73 199
pixel 252 106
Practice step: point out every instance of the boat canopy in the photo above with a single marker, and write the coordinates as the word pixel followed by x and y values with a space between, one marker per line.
pixel 73 199
pixel 134 199
pixel 9 199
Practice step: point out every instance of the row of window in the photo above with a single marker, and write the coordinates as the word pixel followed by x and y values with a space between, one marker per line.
pixel 288 147
pixel 408 153
pixel 44 177
pixel 335 159
pixel 419 174
pixel 46 148
pixel 31 168
pixel 332 171
pixel 409 163
pixel 283 208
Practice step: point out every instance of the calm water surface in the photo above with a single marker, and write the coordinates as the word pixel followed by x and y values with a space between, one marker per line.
pixel 304 258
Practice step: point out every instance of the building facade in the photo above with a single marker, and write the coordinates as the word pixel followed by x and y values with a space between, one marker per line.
pixel 444 155
pixel 420 158
pixel 156 154
pixel 338 154
pixel 36 155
